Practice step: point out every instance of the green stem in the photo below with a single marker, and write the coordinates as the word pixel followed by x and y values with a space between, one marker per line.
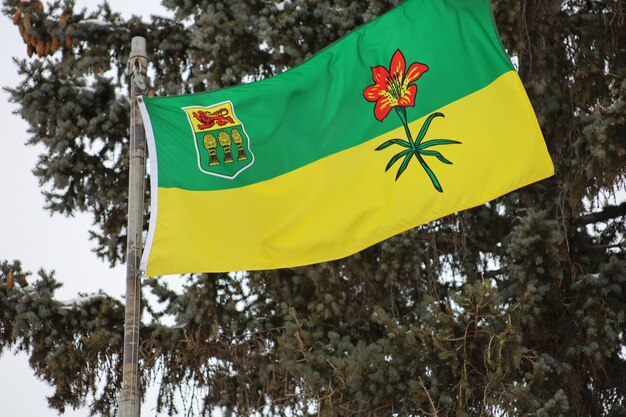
pixel 402 115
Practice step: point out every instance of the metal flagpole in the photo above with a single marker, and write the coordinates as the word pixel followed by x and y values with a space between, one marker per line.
pixel 130 397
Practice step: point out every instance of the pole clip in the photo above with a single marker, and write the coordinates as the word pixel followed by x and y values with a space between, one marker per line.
pixel 137 78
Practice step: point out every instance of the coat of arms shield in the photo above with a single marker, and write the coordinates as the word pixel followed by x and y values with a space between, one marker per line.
pixel 221 142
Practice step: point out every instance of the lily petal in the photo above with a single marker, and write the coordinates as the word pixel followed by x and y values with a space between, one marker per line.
pixel 372 93
pixel 380 75
pixel 398 64
pixel 382 108
pixel 415 71
pixel 408 100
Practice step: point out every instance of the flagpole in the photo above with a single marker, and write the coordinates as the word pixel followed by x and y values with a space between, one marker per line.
pixel 130 397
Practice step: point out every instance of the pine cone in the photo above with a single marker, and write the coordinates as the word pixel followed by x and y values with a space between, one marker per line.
pixel 63 20
pixel 10 281
pixel 27 23
pixel 17 17
pixel 24 34
pixel 54 45
pixel 21 278
pixel 37 5
pixel 30 50
pixel 41 49
pixel 68 42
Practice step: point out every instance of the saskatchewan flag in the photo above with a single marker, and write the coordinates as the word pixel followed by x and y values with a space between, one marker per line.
pixel 413 116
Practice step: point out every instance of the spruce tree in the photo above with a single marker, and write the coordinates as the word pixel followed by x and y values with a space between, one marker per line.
pixel 514 308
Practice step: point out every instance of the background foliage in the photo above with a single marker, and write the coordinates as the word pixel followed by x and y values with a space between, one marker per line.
pixel 514 308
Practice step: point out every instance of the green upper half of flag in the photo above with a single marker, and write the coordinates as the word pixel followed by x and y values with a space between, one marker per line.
pixel 317 109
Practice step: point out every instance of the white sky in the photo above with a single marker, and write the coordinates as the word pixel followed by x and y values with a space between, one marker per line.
pixel 30 234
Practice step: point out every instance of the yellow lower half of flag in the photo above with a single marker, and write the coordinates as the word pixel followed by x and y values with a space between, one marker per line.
pixel 346 202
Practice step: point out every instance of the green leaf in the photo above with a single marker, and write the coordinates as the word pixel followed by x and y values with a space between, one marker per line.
pixel 437 154
pixel 431 174
pixel 405 163
pixel 395 158
pixel 426 125
pixel 393 141
pixel 436 142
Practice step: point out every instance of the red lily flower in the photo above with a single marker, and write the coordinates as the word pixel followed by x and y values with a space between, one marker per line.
pixel 394 87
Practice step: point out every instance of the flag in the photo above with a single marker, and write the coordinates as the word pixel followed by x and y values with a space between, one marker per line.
pixel 413 116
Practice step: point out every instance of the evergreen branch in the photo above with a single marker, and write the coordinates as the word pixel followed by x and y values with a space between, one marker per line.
pixel 608 213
